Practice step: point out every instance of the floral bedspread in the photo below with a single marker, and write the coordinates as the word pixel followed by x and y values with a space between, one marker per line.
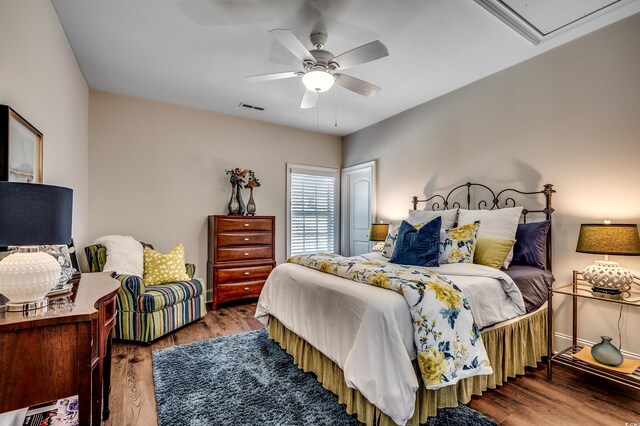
pixel 446 336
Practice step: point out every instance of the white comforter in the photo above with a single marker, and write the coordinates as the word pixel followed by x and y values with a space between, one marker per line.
pixel 368 331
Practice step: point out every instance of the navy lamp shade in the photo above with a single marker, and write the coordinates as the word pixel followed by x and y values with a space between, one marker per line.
pixel 32 214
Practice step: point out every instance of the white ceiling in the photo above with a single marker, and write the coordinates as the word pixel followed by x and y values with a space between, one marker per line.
pixel 196 52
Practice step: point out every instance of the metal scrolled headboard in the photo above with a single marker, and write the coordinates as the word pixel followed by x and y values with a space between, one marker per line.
pixel 498 200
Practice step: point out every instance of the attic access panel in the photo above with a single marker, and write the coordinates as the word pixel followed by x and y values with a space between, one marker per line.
pixel 536 20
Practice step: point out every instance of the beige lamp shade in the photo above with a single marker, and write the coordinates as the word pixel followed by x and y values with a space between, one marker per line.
pixel 618 239
pixel 378 231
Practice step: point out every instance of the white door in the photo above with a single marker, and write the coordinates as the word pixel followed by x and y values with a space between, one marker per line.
pixel 358 208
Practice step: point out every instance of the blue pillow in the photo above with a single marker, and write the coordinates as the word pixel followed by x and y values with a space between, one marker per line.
pixel 531 244
pixel 419 247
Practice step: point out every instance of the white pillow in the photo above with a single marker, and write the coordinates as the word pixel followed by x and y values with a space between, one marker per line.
pixel 418 217
pixel 499 223
pixel 448 217
pixel 124 254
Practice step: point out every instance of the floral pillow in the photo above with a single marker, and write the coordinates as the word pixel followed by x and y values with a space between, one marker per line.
pixel 457 245
pixel 390 241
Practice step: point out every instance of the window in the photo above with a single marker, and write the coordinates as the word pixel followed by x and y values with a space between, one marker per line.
pixel 312 209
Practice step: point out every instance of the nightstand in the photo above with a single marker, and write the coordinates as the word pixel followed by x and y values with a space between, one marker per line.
pixel 580 288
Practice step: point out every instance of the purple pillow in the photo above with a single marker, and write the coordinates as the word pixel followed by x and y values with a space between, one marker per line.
pixel 531 244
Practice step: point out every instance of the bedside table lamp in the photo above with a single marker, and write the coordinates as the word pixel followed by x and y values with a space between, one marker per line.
pixel 32 215
pixel 607 278
pixel 378 232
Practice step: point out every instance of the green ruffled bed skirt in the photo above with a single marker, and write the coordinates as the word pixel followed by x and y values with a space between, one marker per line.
pixel 511 348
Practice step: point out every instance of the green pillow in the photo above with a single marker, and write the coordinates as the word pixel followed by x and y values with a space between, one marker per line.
pixel 492 251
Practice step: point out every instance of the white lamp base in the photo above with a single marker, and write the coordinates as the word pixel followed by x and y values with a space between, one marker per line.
pixel 378 247
pixel 607 277
pixel 26 278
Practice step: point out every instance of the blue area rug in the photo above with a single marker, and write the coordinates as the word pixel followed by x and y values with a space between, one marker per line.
pixel 247 379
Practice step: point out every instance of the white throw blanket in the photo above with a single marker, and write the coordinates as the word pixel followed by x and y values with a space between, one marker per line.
pixel 124 254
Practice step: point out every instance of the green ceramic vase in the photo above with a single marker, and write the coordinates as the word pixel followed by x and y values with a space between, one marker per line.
pixel 607 354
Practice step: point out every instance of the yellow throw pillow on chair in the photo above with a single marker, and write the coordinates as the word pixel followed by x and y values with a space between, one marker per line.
pixel 164 268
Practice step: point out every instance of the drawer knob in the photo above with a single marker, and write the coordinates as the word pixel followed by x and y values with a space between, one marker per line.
pixel 246 273
pixel 246 289
pixel 246 239
pixel 246 254
pixel 246 224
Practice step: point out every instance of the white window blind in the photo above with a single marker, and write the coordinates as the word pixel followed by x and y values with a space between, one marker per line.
pixel 312 197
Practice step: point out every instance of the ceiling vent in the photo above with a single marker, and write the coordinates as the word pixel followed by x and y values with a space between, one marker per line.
pixel 242 104
pixel 537 20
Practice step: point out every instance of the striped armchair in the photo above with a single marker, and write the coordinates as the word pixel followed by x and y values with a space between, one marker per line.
pixel 144 314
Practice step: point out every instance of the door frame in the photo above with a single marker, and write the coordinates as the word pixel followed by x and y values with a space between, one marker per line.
pixel 345 205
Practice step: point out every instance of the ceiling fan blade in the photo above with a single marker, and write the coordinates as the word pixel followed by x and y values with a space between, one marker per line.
pixel 292 44
pixel 273 76
pixel 309 100
pixel 356 85
pixel 360 55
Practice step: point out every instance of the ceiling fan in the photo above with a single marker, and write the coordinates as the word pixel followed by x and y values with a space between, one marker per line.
pixel 320 66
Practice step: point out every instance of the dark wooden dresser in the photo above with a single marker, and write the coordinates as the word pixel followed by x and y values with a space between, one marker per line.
pixel 241 256
pixel 63 351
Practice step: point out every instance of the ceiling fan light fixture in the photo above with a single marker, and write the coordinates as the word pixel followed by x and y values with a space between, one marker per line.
pixel 318 81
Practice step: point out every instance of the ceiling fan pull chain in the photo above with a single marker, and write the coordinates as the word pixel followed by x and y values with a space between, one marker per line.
pixel 317 118
pixel 335 123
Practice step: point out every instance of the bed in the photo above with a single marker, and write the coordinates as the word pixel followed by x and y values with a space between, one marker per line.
pixel 359 339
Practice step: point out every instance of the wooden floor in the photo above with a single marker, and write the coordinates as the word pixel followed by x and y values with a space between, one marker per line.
pixel 569 399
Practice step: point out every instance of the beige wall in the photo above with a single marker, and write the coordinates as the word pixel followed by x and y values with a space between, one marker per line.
pixel 157 170
pixel 570 117
pixel 41 80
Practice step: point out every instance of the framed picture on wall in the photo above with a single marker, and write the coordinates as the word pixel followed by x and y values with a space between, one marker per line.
pixel 20 148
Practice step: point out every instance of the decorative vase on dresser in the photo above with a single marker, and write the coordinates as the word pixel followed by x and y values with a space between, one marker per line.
pixel 240 200
pixel 241 256
pixel 251 205
pixel 233 205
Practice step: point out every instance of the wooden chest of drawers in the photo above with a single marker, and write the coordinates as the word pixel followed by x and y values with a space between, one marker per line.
pixel 241 256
